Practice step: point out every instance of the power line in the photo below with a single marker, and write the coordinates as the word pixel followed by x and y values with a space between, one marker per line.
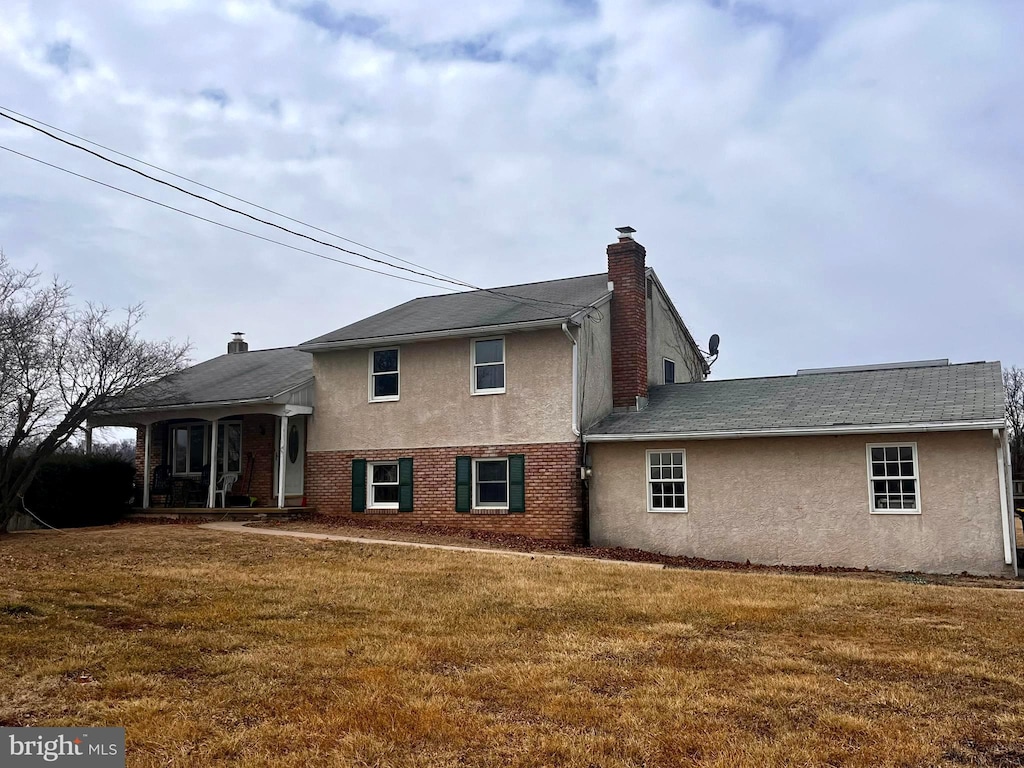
pixel 221 224
pixel 197 196
pixel 524 300
pixel 222 192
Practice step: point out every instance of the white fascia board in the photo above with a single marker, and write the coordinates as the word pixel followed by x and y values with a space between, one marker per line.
pixel 293 388
pixel 480 330
pixel 867 429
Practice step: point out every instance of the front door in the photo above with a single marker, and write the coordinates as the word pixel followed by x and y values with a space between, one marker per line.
pixel 295 456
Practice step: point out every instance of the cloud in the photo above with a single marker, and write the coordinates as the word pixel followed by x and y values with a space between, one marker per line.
pixel 821 183
pixel 66 57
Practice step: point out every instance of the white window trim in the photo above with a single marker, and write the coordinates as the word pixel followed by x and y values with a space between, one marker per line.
pixel 476 504
pixel 206 447
pixel 369 374
pixel 675 368
pixel 369 484
pixel 916 478
pixel 650 490
pixel 473 365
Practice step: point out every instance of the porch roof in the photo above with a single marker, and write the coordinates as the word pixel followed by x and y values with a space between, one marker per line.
pixel 240 379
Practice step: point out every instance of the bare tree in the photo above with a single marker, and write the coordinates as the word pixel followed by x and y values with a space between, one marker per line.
pixel 1013 384
pixel 58 365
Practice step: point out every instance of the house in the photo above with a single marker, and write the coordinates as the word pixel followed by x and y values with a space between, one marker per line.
pixel 578 410
pixel 464 409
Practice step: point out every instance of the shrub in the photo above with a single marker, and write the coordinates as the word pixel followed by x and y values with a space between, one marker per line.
pixel 71 491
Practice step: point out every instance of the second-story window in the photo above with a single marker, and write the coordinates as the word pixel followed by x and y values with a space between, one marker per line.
pixel 384 374
pixel 488 366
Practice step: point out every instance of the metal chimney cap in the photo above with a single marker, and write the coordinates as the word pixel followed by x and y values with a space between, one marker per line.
pixel 238 335
pixel 625 233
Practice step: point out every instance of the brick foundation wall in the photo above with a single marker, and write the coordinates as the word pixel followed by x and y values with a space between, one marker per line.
pixel 554 509
pixel 627 261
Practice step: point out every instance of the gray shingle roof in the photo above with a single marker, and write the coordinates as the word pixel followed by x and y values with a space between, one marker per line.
pixel 246 376
pixel 475 309
pixel 929 395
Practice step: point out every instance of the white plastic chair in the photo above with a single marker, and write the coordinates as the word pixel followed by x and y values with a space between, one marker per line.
pixel 227 481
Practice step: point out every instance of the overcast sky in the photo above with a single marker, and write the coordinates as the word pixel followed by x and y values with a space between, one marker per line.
pixel 821 182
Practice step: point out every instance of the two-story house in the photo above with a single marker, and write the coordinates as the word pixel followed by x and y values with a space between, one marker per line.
pixel 578 409
pixel 463 409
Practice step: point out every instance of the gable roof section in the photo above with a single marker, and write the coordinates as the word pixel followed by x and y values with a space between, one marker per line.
pixel 944 397
pixel 244 377
pixel 530 305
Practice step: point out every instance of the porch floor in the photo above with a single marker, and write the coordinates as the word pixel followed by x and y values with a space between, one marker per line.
pixel 220 513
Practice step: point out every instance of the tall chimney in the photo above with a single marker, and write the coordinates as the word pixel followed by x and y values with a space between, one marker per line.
pixel 627 271
pixel 237 344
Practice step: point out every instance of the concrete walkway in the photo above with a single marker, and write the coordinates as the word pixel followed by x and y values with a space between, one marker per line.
pixel 243 528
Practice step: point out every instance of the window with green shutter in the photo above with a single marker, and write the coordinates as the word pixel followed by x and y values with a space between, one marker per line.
pixel 463 483
pixel 405 485
pixel 358 485
pixel 517 483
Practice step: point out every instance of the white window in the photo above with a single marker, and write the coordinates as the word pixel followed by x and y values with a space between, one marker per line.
pixel 384 374
pixel 382 478
pixel 488 368
pixel 670 371
pixel 893 479
pixel 190 447
pixel 666 481
pixel 490 483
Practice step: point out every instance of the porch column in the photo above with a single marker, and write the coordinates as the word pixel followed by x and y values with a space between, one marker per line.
pixel 212 501
pixel 88 441
pixel 282 457
pixel 145 466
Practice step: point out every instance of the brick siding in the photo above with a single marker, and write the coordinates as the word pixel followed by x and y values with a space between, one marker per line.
pixel 554 509
pixel 627 270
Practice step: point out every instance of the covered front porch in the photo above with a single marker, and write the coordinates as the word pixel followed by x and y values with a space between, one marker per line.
pixel 218 456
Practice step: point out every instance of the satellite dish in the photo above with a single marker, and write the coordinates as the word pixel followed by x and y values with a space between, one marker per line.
pixel 713 344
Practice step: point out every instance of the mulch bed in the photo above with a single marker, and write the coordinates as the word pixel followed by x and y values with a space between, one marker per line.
pixel 442 534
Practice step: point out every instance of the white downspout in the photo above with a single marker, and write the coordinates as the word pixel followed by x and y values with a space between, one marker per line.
pixel 1008 552
pixel 575 379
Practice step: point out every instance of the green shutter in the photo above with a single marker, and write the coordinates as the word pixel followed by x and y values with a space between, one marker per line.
pixel 463 483
pixel 517 483
pixel 358 485
pixel 405 485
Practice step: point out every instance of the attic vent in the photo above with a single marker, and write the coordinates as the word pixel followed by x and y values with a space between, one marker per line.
pixel 650 289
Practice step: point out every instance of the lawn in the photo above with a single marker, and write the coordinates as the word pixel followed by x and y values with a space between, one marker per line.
pixel 235 649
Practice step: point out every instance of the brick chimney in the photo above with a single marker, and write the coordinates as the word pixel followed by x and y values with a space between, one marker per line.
pixel 627 265
pixel 237 344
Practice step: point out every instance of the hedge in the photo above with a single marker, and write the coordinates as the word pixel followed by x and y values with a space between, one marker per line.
pixel 72 490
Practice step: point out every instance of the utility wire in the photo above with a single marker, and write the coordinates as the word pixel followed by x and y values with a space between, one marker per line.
pixel 221 191
pixel 145 175
pixel 516 299
pixel 225 226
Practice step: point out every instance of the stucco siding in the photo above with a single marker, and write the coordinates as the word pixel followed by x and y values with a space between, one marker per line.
pixel 436 407
pixel 595 363
pixel 804 501
pixel 666 339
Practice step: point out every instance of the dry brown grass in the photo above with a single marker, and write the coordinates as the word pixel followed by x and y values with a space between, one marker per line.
pixel 230 649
